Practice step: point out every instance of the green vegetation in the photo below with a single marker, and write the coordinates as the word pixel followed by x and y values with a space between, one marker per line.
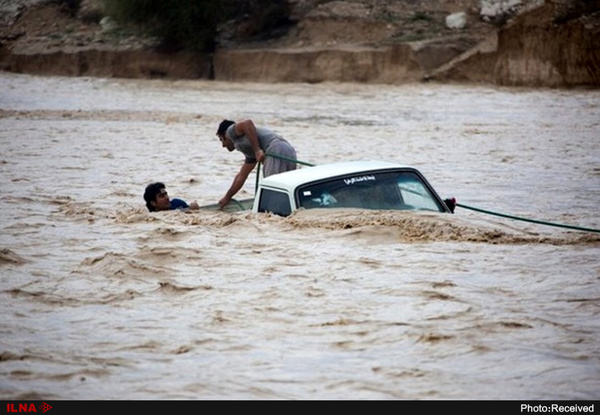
pixel 194 24
pixel 420 16
pixel 71 5
pixel 179 24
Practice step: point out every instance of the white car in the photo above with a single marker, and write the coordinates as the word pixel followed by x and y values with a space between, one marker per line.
pixel 353 184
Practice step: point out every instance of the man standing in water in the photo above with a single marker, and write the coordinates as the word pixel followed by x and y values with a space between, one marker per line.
pixel 258 144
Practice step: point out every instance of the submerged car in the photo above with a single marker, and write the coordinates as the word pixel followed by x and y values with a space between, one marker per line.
pixel 353 184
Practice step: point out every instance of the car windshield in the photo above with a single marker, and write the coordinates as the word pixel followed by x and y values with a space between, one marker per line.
pixel 399 190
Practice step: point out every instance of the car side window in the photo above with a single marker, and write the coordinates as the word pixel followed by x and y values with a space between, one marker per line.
pixel 275 202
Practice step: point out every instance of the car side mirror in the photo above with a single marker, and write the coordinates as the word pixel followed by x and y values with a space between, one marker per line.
pixel 451 203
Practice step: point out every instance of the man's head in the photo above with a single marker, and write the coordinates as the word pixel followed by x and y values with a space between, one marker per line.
pixel 223 126
pixel 226 142
pixel 156 197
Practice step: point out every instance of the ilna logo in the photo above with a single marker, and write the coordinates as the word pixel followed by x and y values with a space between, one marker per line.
pixel 27 407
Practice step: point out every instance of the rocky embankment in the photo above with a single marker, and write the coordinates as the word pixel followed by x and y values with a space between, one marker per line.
pixel 552 43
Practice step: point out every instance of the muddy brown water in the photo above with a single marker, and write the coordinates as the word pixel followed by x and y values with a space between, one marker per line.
pixel 101 299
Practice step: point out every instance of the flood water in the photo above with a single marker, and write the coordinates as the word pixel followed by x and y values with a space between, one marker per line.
pixel 101 299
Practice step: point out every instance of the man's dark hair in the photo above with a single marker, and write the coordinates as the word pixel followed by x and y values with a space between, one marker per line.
pixel 152 190
pixel 223 126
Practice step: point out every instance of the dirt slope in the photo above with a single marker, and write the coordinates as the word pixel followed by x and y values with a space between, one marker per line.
pixel 381 41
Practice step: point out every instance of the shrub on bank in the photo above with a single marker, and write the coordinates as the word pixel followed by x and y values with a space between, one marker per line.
pixel 195 24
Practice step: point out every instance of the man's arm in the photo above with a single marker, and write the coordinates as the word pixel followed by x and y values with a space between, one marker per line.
pixel 238 182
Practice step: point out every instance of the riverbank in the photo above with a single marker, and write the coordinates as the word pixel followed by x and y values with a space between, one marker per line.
pixel 544 46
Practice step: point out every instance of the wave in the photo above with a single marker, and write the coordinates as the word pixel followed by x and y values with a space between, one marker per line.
pixel 417 227
pixel 9 257
pixel 367 225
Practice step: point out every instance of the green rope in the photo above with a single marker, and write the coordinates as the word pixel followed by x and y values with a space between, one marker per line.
pixel 257 177
pixel 277 156
pixel 560 225
pixel 238 204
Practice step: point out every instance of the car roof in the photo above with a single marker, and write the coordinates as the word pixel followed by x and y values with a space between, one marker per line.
pixel 291 179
